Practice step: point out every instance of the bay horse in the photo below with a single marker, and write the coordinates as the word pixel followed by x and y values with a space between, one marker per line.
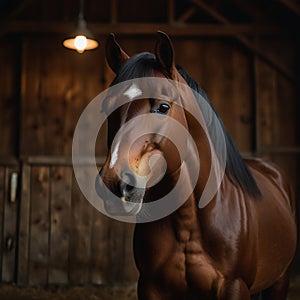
pixel 240 244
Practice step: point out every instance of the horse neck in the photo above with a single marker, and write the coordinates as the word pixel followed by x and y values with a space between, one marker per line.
pixel 185 219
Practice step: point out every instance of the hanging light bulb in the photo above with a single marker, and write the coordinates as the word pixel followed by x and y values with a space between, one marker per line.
pixel 82 39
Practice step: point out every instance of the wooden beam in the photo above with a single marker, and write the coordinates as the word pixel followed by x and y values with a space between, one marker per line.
pixel 49 160
pixel 171 11
pixel 246 42
pixel 8 161
pixel 176 29
pixel 19 9
pixel 292 5
pixel 251 9
pixel 211 11
pixel 187 14
pixel 114 11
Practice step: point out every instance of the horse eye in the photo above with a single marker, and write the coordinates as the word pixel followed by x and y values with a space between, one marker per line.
pixel 163 108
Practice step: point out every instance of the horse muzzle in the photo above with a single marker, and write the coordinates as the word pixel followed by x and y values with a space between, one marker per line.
pixel 121 196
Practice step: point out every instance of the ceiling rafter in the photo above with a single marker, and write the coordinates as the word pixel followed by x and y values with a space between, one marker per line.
pixel 246 42
pixel 114 11
pixel 187 14
pixel 19 9
pixel 251 9
pixel 171 11
pixel 292 5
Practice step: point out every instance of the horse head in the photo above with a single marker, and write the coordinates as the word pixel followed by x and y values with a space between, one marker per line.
pixel 142 163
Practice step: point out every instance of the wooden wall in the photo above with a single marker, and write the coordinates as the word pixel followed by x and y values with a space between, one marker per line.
pixel 51 234
pixel 63 239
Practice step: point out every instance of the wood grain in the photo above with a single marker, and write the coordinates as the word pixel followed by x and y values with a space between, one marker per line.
pixel 39 226
pixel 60 208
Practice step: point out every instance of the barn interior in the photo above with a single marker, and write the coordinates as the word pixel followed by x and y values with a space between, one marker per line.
pixel 53 242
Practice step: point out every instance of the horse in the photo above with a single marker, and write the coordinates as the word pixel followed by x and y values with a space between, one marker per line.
pixel 241 243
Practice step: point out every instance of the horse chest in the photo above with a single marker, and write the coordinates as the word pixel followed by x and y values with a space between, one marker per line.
pixel 190 265
pixel 179 264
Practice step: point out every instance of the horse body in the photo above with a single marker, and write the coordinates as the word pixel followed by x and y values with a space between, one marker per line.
pixel 241 243
pixel 206 253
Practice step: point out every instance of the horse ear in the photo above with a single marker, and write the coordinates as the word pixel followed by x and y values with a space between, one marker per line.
pixel 164 53
pixel 115 55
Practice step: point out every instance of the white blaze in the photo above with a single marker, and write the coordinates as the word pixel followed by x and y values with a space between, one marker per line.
pixel 114 155
pixel 133 92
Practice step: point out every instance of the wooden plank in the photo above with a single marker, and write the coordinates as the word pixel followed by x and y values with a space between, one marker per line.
pixel 287 116
pixel 100 262
pixel 32 110
pixel 276 103
pixel 9 95
pixel 243 100
pixel 9 160
pixel 265 93
pixel 116 246
pixel 80 240
pixel 2 201
pixel 275 63
pixel 60 208
pixel 229 88
pixel 39 226
pixel 24 228
pixel 49 115
pixel 60 160
pixel 9 230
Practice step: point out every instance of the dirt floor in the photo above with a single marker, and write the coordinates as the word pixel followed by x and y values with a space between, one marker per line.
pixel 11 292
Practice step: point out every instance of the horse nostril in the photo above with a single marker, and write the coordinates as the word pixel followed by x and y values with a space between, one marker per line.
pixel 128 182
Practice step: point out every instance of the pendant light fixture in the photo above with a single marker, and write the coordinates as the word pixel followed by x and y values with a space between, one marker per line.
pixel 82 39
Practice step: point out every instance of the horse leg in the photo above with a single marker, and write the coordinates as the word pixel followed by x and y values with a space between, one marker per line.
pixel 234 290
pixel 279 290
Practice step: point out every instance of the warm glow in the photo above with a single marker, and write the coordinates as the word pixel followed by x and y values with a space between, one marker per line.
pixel 80 43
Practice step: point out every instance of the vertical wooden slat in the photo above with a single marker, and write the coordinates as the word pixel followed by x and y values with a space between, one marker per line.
pixel 24 221
pixel 56 87
pixel 111 243
pixel 228 85
pixel 265 86
pixel 9 96
pixel 100 263
pixel 243 99
pixel 2 201
pixel 9 231
pixel 39 226
pixel 32 110
pixel 60 191
pixel 287 113
pixel 80 241
pixel 276 116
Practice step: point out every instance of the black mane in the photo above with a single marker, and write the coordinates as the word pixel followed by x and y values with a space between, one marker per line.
pixel 236 169
pixel 144 65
